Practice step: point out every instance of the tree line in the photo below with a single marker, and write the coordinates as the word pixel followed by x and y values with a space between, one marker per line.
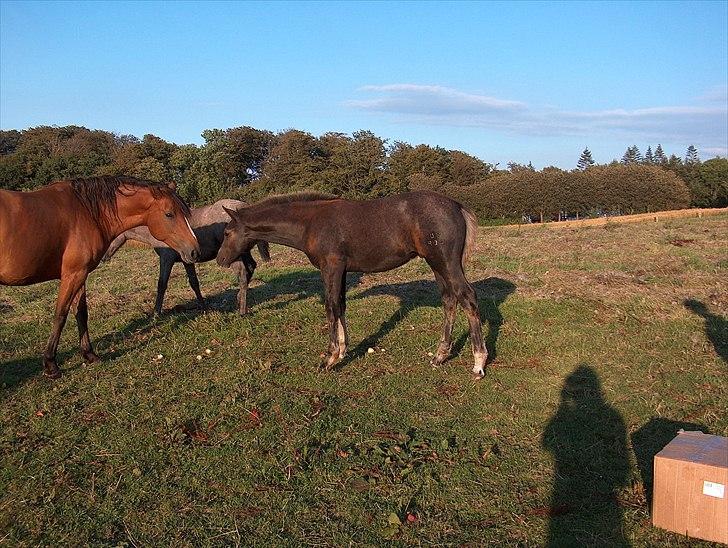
pixel 249 163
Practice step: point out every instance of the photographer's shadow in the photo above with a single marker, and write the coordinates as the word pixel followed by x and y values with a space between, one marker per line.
pixel 588 439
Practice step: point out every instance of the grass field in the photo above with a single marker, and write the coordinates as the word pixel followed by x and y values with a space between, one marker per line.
pixel 606 341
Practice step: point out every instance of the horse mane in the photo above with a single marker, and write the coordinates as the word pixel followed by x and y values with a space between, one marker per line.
pixel 306 196
pixel 98 194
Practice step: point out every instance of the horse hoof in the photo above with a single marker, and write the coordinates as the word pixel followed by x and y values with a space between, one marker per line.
pixel 329 361
pixel 52 373
pixel 91 357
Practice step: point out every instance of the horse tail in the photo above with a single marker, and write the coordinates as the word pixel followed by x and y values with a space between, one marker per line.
pixel 263 250
pixel 471 232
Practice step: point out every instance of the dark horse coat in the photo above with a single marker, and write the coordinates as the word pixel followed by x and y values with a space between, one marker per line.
pixel 341 236
pixel 208 223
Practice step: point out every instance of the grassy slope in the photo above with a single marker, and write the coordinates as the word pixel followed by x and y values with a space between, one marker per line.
pixel 598 363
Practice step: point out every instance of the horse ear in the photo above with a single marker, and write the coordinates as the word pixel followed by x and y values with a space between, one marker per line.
pixel 172 185
pixel 233 213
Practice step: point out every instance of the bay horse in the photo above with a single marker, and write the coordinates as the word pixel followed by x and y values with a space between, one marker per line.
pixel 208 223
pixel 61 232
pixel 341 236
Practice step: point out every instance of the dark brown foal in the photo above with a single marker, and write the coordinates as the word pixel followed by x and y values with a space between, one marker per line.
pixel 341 236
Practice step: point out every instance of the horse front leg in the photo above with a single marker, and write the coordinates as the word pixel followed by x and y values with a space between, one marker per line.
pixel 343 332
pixel 81 313
pixel 332 278
pixel 70 285
pixel 165 270
pixel 246 269
pixel 195 284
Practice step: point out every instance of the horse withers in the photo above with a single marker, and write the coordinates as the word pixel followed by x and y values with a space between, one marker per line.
pixel 208 223
pixel 61 232
pixel 341 236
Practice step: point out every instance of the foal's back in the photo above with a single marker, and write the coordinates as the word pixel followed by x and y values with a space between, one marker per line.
pixel 381 234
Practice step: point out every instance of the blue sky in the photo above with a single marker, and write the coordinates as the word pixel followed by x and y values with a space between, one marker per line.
pixel 502 81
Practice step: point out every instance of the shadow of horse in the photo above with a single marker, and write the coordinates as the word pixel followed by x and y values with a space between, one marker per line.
pixel 278 292
pixel 716 327
pixel 115 344
pixel 492 292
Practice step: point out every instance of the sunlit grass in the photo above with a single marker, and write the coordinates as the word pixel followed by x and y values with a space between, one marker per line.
pixel 235 436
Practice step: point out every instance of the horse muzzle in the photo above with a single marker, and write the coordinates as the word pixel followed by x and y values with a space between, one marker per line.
pixel 223 260
pixel 191 255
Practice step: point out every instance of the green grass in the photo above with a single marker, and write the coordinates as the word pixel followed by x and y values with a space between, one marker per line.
pixel 598 363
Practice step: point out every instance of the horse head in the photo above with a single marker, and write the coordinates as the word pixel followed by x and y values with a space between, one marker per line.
pixel 237 240
pixel 167 220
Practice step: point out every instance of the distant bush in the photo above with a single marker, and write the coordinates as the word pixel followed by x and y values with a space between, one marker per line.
pixel 552 193
pixel 249 163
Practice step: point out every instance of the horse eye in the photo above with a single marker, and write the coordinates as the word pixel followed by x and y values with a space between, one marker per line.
pixel 169 214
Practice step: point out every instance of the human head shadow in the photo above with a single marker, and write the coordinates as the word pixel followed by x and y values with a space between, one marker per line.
pixel 587 438
pixel 649 440
pixel 716 327
pixel 492 292
pixel 114 344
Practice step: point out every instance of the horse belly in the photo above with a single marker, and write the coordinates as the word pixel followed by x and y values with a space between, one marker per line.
pixel 380 262
pixel 28 264
pixel 27 255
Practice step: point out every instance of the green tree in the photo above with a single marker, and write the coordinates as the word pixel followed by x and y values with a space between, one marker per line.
pixel 660 157
pixel 585 160
pixel 466 170
pixel 294 163
pixel 649 157
pixel 714 181
pixel 691 156
pixel 632 156
pixel 9 141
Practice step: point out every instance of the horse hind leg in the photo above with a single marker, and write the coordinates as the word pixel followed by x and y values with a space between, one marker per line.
pixel 81 313
pixel 449 303
pixel 343 331
pixel 468 301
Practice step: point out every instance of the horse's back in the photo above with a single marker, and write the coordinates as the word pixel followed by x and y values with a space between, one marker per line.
pixel 214 213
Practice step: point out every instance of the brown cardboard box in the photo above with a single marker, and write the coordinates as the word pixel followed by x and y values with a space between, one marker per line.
pixel 690 493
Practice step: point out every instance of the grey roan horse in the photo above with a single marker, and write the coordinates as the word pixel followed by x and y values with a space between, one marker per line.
pixel 368 236
pixel 208 224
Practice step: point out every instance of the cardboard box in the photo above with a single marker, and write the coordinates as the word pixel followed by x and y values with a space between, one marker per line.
pixel 690 494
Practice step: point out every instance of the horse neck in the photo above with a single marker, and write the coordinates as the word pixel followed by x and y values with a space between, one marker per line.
pixel 131 211
pixel 278 224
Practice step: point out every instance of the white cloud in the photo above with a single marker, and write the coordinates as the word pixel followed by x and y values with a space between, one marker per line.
pixel 431 101
pixel 710 152
pixel 704 124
